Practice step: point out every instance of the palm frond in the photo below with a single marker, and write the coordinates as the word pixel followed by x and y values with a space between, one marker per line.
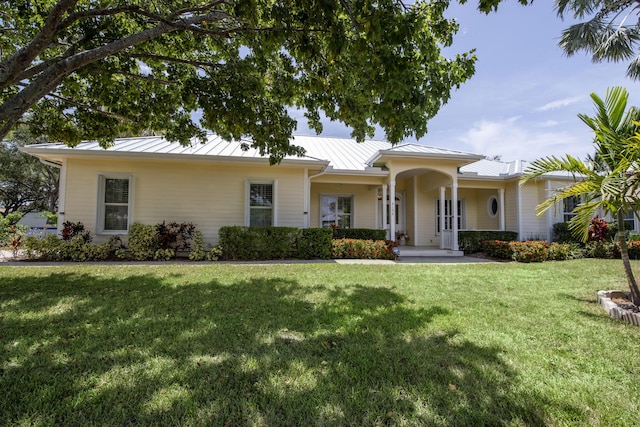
pixel 633 70
pixel 550 164
pixel 579 224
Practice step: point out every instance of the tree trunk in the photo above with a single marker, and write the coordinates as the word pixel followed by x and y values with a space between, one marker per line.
pixel 624 254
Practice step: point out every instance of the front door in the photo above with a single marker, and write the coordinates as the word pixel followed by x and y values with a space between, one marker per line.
pixel 400 215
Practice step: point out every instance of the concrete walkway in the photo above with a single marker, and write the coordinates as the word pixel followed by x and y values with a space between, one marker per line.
pixel 7 259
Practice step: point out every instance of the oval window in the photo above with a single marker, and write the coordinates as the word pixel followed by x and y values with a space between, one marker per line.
pixel 493 206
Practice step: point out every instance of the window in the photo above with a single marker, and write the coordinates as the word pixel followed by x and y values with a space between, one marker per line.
pixel 335 211
pixel 629 220
pixel 261 203
pixel 114 207
pixel 448 215
pixel 492 206
pixel 568 206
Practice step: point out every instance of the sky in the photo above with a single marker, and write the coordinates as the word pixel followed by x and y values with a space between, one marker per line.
pixel 524 99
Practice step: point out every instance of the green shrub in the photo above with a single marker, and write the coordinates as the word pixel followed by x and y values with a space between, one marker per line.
pixel 260 243
pixel 72 229
pixel 198 251
pixel 359 233
pixel 51 248
pixel 42 249
pixel 561 233
pixel 175 236
pixel 362 249
pixel 471 241
pixel 597 249
pixel 143 241
pixel 497 249
pixel 530 251
pixel 560 251
pixel 314 243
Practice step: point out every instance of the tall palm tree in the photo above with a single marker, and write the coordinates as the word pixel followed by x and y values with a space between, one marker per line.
pixel 610 32
pixel 611 183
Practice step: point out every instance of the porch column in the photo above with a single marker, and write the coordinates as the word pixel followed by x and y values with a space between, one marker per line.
pixel 501 204
pixel 384 207
pixel 392 209
pixel 442 217
pixel 62 190
pixel 454 213
pixel 307 198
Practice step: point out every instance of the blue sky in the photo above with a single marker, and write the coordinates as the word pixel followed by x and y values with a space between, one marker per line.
pixel 523 101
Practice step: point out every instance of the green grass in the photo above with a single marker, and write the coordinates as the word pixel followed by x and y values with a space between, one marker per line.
pixel 325 344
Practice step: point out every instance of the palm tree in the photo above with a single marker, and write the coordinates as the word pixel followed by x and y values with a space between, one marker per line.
pixel 610 184
pixel 612 33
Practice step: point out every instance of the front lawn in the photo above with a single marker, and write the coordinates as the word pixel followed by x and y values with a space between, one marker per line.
pixel 316 344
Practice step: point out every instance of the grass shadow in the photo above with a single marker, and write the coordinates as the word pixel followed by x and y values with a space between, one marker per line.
pixel 149 349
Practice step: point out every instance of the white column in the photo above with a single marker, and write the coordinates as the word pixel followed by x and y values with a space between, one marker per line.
pixel 442 221
pixel 384 207
pixel 377 211
pixel 392 209
pixel 415 211
pixel 454 213
pixel 501 204
pixel 307 198
pixel 62 190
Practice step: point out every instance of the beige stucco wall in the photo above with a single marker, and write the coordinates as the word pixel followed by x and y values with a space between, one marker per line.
pixel 209 195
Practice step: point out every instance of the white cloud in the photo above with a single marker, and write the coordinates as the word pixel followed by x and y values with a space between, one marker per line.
pixel 514 141
pixel 560 103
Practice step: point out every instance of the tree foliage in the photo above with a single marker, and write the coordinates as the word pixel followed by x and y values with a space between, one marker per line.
pixel 610 184
pixel 96 69
pixel 610 30
pixel 25 183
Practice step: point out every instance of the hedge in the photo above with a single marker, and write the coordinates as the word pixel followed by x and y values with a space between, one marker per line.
pixel 264 243
pixel 359 234
pixel 363 249
pixel 470 241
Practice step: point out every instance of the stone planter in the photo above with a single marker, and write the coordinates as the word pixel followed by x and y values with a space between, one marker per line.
pixel 614 310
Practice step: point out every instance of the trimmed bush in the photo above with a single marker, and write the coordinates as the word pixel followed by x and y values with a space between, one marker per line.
pixel 561 233
pixel 261 243
pixel 71 230
pixel 560 251
pixel 471 241
pixel 314 243
pixel 51 248
pixel 362 249
pixel 497 249
pixel 198 251
pixel 529 251
pixel 143 241
pixel 359 233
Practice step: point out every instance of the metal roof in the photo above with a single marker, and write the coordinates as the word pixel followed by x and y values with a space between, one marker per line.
pixel 339 154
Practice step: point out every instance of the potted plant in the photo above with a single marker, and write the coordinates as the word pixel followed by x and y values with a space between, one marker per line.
pixel 402 238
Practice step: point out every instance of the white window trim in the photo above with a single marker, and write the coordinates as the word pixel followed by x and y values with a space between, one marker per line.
pixel 247 199
pixel 336 195
pixel 102 177
pixel 462 213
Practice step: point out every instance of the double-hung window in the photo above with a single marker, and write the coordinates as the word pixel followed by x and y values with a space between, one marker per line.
pixel 114 203
pixel 448 216
pixel 336 211
pixel 261 203
pixel 568 207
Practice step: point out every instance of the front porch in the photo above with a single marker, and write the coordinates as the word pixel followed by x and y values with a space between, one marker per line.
pixel 427 251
